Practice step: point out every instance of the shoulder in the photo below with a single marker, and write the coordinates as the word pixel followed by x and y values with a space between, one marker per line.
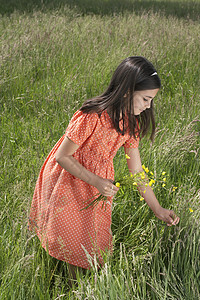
pixel 81 126
pixel 81 117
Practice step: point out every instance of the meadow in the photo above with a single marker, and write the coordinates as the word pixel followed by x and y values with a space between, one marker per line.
pixel 55 55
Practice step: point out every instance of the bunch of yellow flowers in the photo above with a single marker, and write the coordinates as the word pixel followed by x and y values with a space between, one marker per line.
pixel 137 182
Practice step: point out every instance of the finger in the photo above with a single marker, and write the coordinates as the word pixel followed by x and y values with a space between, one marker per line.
pixel 172 214
pixel 106 191
pixel 113 192
pixel 114 188
pixel 111 180
pixel 170 220
pixel 107 194
pixel 176 220
pixel 110 189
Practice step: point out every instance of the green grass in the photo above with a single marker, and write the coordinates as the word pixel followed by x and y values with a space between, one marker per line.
pixel 53 57
pixel 180 9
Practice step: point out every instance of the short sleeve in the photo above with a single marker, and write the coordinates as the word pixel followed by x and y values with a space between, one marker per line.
pixel 81 127
pixel 132 142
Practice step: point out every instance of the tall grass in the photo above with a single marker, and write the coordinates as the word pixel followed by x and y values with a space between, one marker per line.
pixel 53 57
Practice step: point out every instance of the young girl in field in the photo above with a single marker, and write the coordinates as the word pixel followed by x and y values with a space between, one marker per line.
pixel 80 165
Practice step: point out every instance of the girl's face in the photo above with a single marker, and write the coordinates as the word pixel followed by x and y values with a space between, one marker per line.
pixel 142 100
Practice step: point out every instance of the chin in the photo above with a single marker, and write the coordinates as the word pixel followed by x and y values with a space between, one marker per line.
pixel 138 113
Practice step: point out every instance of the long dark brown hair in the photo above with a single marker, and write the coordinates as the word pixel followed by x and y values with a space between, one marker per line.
pixel 135 73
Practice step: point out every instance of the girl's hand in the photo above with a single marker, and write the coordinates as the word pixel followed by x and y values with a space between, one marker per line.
pixel 167 216
pixel 106 187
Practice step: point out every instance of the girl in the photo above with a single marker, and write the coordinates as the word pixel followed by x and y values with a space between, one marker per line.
pixel 81 165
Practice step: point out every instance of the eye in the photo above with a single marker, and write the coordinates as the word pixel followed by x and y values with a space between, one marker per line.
pixel 145 99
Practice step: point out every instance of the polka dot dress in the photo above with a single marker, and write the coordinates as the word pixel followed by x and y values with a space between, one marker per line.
pixel 66 230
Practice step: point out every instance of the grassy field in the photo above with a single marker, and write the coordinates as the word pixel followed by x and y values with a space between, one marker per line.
pixel 56 54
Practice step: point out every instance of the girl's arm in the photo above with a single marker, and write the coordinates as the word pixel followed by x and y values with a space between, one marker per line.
pixel 65 159
pixel 135 166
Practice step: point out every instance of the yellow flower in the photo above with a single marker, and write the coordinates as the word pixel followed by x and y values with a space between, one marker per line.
pixel 135 183
pixel 144 191
pixel 164 179
pixel 141 198
pixel 163 185
pixel 145 169
pixel 127 157
pixel 151 182
pixel 190 209
pixel 163 173
pixel 131 175
pixel 152 173
pixel 146 184
pixel 174 188
pixel 117 184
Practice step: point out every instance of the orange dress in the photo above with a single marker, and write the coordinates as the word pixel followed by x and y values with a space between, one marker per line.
pixel 66 231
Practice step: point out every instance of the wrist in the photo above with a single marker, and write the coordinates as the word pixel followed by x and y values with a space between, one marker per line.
pixel 158 210
pixel 94 180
